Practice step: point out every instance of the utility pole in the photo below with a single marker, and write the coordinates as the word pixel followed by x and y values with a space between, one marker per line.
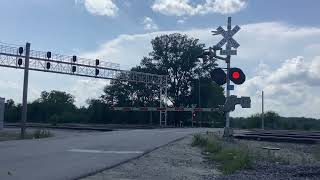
pixel 199 101
pixel 25 92
pixel 262 110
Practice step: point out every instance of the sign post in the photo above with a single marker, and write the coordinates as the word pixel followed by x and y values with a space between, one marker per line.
pixel 228 51
pixel 2 103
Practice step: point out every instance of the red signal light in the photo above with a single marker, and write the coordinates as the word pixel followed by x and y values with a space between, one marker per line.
pixel 235 75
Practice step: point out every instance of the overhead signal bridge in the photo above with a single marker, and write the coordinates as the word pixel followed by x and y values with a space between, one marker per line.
pixel 13 57
pixel 23 58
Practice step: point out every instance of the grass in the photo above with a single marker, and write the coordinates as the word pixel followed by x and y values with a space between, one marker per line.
pixel 199 140
pixel 230 158
pixel 15 135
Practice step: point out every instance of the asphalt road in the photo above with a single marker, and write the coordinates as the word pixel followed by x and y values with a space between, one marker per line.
pixel 77 156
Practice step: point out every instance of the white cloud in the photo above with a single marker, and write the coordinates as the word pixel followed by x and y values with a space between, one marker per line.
pixel 291 89
pixel 101 7
pixel 181 21
pixel 149 24
pixel 226 6
pixel 186 8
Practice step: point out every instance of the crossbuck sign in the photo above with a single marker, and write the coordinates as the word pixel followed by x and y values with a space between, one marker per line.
pixel 227 39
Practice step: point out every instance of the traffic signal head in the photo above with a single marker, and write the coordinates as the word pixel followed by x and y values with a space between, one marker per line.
pixel 237 76
pixel 218 76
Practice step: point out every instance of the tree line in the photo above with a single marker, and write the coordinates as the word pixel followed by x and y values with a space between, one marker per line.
pixel 273 120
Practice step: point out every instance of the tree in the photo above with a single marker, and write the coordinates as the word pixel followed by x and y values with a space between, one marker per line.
pixel 12 112
pixel 175 55
pixel 59 105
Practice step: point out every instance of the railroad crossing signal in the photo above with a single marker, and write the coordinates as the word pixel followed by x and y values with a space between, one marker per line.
pixel 227 39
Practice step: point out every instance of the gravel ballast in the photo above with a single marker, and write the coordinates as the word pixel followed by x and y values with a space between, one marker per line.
pixel 179 160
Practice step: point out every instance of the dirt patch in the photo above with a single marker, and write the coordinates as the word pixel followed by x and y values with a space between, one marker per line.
pixel 175 161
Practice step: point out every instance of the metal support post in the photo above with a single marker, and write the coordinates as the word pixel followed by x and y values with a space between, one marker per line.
pixel 227 129
pixel 25 92
pixel 199 101
pixel 262 109
pixel 163 102
pixel 192 118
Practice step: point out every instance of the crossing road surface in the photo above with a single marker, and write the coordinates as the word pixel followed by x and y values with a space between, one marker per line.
pixel 77 156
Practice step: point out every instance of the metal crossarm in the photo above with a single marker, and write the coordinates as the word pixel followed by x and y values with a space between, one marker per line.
pixel 62 64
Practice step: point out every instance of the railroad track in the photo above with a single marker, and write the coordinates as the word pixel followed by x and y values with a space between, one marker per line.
pixel 281 136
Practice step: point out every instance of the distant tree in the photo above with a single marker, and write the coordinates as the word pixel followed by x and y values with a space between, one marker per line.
pixel 12 111
pixel 59 105
pixel 272 120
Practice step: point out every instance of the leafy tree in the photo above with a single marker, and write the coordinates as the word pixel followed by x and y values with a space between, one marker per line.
pixel 175 55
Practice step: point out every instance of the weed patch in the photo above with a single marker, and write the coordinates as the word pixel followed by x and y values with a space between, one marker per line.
pixel 15 135
pixel 199 140
pixel 230 157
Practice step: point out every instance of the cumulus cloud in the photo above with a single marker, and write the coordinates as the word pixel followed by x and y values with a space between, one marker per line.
pixel 101 7
pixel 186 8
pixel 149 24
pixel 291 89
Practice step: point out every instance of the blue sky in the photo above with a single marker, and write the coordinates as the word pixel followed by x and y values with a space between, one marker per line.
pixel 280 42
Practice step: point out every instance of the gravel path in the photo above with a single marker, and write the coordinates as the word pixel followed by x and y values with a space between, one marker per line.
pixel 175 161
